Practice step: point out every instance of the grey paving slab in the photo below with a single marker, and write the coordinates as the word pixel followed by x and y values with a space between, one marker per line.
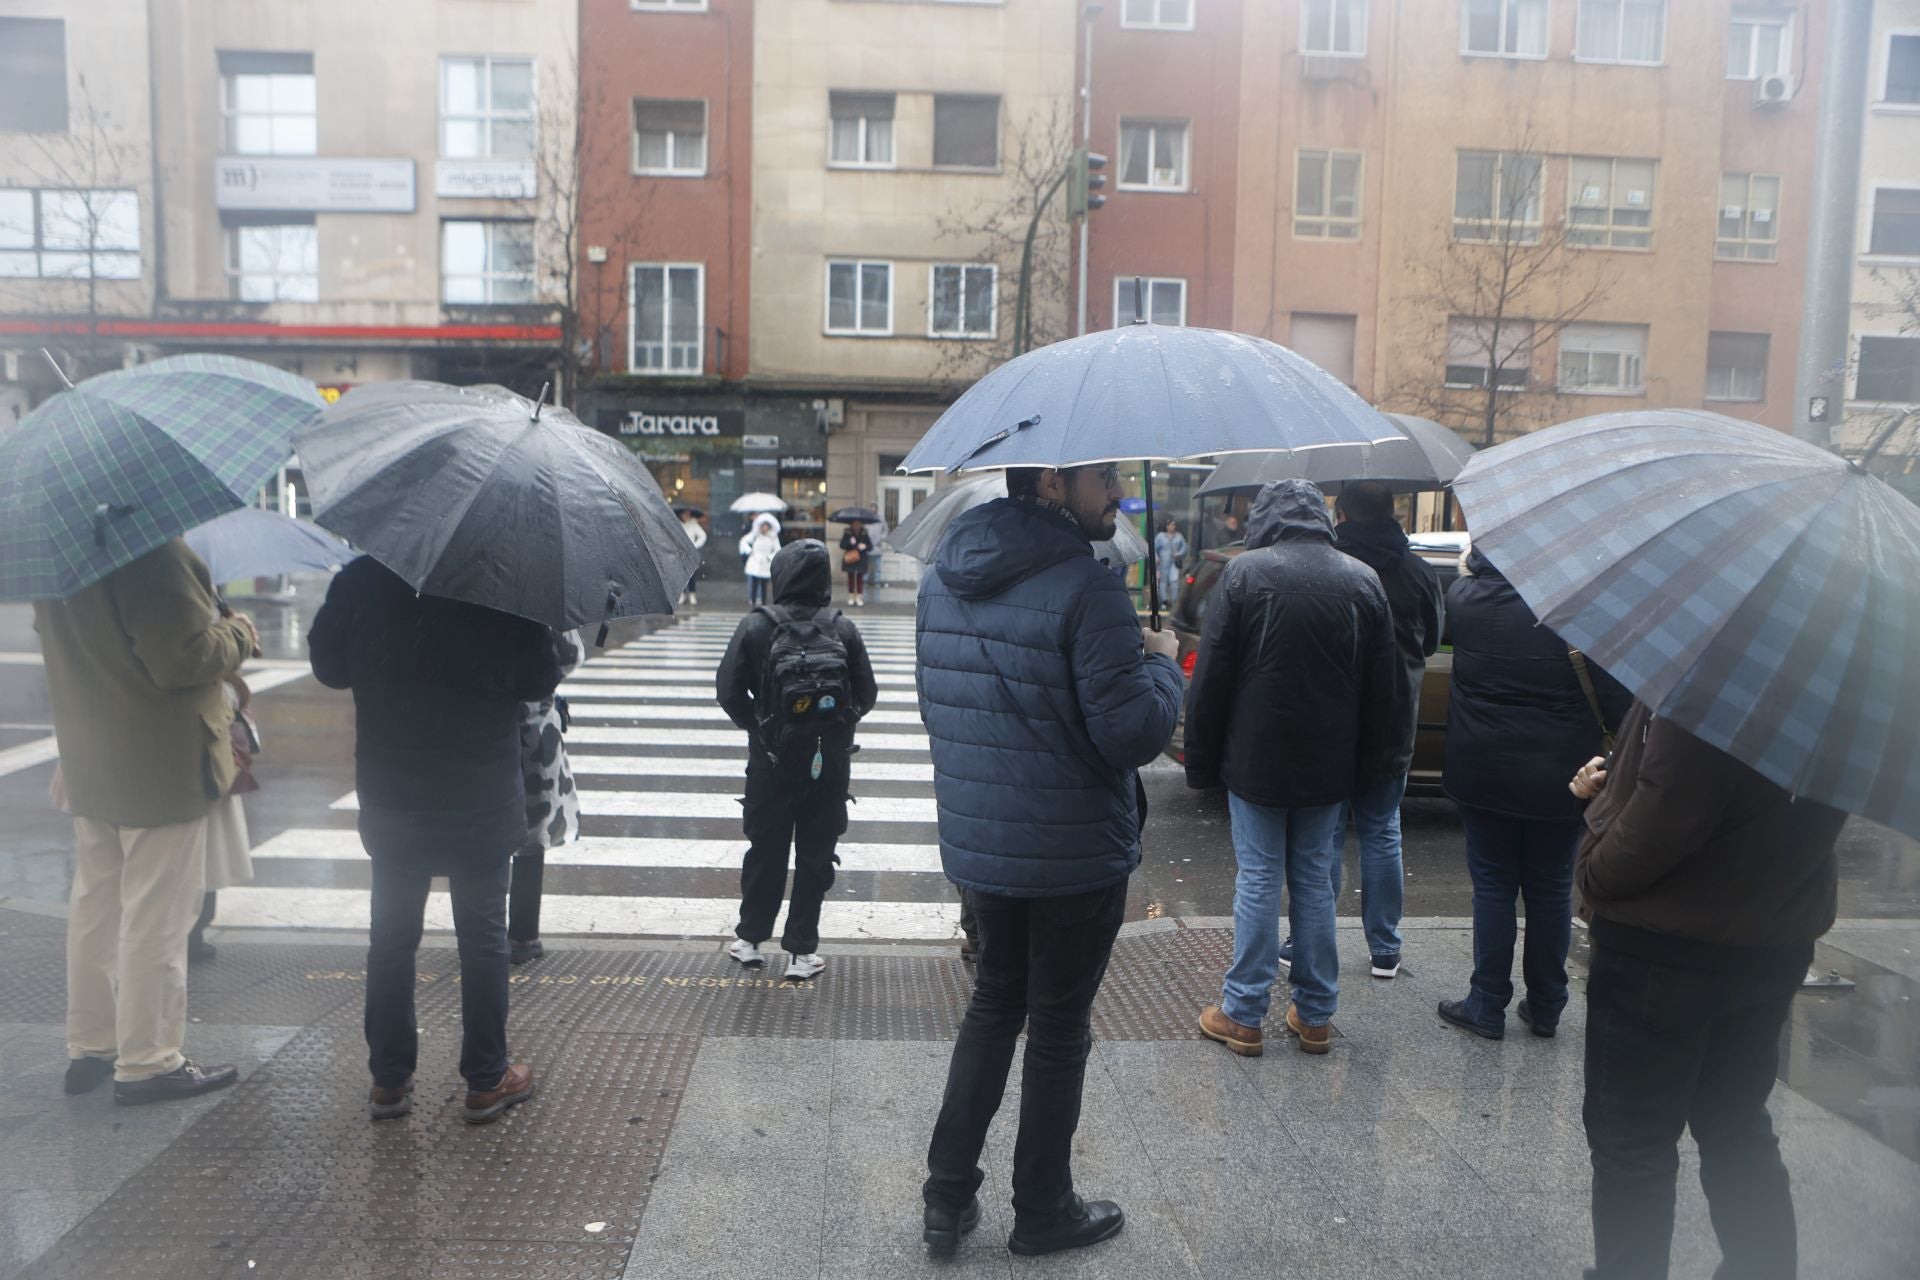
pixel 1896 948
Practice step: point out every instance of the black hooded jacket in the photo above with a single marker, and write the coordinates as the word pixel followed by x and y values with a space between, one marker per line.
pixel 1294 690
pixel 1413 596
pixel 803 585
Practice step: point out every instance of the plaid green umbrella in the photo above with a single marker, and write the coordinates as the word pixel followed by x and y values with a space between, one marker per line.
pixel 102 474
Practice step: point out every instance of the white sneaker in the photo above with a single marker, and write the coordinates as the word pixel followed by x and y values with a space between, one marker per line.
pixel 747 953
pixel 693 599
pixel 806 966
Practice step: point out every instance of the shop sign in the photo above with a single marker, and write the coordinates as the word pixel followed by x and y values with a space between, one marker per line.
pixel 313 184
pixel 760 442
pixel 804 464
pixel 484 179
pixel 682 426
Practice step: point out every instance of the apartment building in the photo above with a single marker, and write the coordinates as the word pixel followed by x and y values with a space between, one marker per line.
pixel 1885 361
pixel 350 208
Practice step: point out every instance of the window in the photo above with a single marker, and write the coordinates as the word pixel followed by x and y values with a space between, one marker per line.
pixel 1153 155
pixel 1325 340
pixel 1896 222
pixel 1737 366
pixel 70 234
pixel 486 107
pixel 273 262
pixel 267 104
pixel 1161 15
pixel 1166 301
pixel 1478 356
pixel 966 131
pixel 962 301
pixel 1749 217
pixel 1326 195
pixel 1337 27
pixel 1889 370
pixel 1622 31
pixel 1610 203
pixel 666 323
pixel 1496 196
pixel 1902 84
pixel 1757 45
pixel 1505 28
pixel 1603 359
pixel 861 134
pixel 483 262
pixel 670 6
pixel 33 75
pixel 669 137
pixel 860 297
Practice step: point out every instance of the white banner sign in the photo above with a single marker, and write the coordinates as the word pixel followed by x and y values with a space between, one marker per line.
pixel 313 184
pixel 484 179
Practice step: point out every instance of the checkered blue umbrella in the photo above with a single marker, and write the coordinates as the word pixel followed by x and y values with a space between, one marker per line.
pixel 102 474
pixel 1761 593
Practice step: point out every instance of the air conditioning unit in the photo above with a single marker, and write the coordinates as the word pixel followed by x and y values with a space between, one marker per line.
pixel 1772 91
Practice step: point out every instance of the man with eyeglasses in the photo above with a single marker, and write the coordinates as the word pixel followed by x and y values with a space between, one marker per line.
pixel 1042 695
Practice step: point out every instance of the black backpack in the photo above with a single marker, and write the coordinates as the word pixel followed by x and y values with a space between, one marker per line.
pixel 805 702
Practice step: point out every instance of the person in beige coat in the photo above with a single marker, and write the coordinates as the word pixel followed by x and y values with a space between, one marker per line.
pixel 135 665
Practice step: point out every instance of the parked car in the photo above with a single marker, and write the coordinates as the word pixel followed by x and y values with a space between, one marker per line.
pixel 1441 550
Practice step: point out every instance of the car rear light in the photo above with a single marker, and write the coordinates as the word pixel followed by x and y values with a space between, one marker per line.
pixel 1186 663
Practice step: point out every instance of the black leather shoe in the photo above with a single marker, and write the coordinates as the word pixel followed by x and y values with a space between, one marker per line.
pixel 190 1080
pixel 1544 1030
pixel 945 1227
pixel 1455 1011
pixel 1081 1223
pixel 519 952
pixel 84 1075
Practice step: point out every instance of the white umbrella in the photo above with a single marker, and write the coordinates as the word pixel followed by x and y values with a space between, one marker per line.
pixel 755 502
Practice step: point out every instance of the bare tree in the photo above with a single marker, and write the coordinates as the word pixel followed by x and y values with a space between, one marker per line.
pixel 1506 281
pixel 1892 432
pixel 1025 237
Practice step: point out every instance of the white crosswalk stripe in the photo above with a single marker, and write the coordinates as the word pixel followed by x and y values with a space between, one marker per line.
pixel 660 772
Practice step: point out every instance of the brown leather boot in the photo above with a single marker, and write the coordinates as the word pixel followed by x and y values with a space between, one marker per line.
pixel 515 1087
pixel 390 1104
pixel 1246 1041
pixel 1312 1039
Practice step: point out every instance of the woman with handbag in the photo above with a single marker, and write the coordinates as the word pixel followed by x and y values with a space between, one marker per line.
pixel 856 546
pixel 1525 712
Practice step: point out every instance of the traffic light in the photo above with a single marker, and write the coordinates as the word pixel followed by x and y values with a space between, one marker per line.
pixel 1083 186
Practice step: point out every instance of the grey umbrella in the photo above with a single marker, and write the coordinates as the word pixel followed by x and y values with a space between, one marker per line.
pixel 920 533
pixel 1758 592
pixel 477 494
pixel 252 543
pixel 1427 456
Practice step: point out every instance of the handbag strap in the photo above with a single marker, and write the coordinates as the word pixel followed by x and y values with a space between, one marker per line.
pixel 1585 677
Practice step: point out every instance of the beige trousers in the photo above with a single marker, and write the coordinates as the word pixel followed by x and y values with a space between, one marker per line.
pixel 136 894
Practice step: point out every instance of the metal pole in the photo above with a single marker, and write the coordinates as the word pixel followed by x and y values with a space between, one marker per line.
pixel 1820 383
pixel 1153 558
pixel 1086 141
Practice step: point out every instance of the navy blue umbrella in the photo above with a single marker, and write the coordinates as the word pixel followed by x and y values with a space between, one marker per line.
pixel 254 543
pixel 1427 456
pixel 1762 594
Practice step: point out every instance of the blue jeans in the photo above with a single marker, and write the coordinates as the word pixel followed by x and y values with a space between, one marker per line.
pixel 1376 820
pixel 1508 857
pixel 1294 848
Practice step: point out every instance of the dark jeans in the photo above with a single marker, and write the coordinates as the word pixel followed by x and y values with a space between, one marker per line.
pixel 1040 965
pixel 757 590
pixel 806 816
pixel 1686 1034
pixel 480 922
pixel 523 901
pixel 1534 860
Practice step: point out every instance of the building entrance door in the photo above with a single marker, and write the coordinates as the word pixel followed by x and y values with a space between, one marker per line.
pixel 899 495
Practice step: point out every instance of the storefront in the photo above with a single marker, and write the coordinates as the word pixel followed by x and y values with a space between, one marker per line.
pixel 803 486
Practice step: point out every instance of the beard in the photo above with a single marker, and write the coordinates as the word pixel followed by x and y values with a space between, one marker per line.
pixel 1098 518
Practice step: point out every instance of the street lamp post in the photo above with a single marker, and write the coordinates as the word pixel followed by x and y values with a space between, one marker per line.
pixel 1088 14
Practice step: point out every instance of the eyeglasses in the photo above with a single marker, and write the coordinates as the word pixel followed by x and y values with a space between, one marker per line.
pixel 1108 475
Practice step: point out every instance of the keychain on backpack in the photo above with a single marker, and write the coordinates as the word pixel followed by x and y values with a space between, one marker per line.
pixel 818 760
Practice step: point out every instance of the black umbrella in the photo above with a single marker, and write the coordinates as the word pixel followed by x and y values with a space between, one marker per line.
pixel 478 494
pixel 1426 457
pixel 695 512
pixel 847 515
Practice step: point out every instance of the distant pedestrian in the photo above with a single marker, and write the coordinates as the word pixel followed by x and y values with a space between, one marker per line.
pixel 697 535
pixel 229 847
pixel 1042 696
pixel 1706 886
pixel 553 803
pixel 438 687
pixel 760 546
pixel 1520 718
pixel 1170 552
pixel 135 667
pixel 1294 693
pixel 856 549
pixel 797 678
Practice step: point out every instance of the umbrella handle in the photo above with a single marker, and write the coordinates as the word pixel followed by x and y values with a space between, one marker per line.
pixel 102 514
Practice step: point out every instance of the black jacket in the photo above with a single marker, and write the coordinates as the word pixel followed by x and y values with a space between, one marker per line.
pixel 861 542
pixel 803 584
pixel 1413 596
pixel 1518 723
pixel 1294 690
pixel 437 693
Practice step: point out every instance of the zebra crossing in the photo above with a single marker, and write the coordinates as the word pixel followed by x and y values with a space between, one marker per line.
pixel 660 772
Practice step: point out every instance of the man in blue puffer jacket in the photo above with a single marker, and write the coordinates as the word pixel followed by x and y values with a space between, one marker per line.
pixel 1042 695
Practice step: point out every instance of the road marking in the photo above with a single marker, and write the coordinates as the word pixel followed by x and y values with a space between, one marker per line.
pixel 628 711
pixel 587 766
pixel 712 804
pixel 688 693
pixel 342 844
pixel 608 735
